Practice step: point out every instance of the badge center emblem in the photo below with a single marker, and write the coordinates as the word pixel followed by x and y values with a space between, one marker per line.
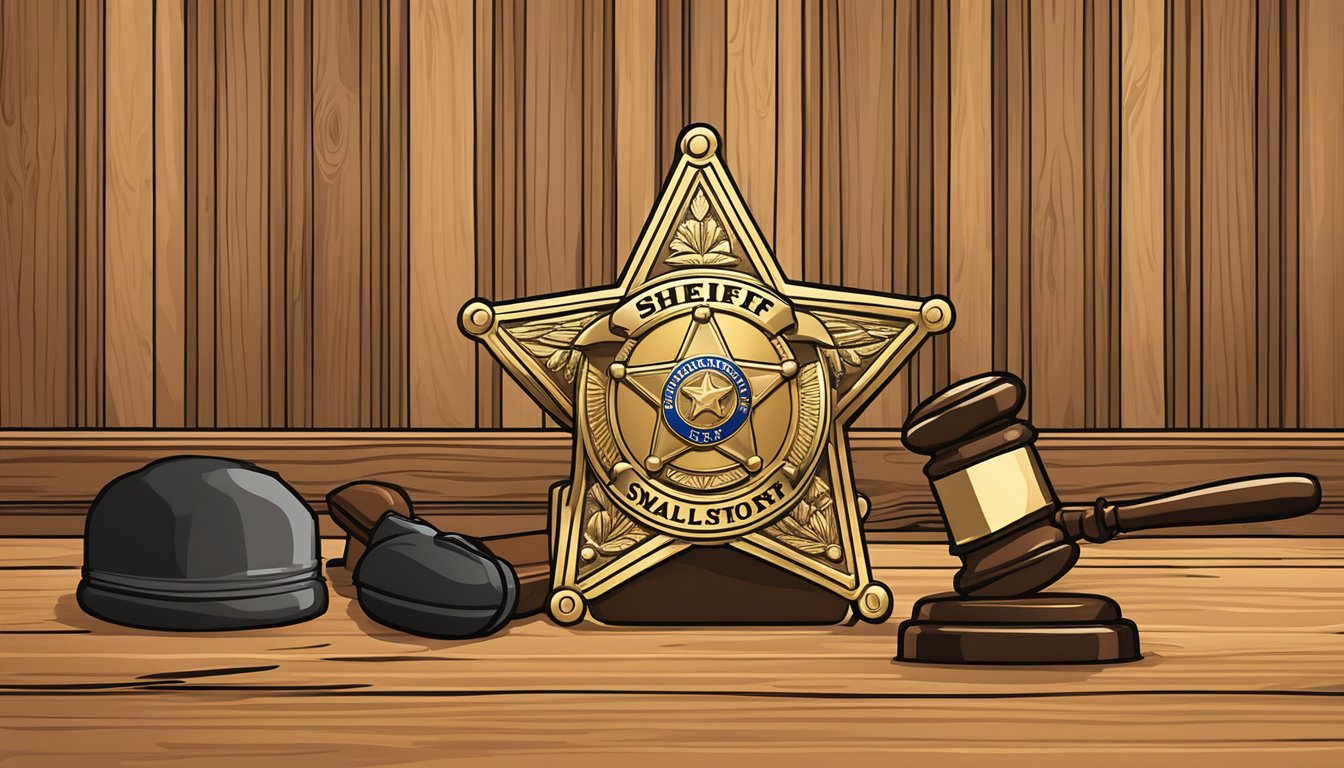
pixel 706 399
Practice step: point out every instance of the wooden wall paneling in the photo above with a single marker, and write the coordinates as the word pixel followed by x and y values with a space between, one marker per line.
pixel 1269 368
pixel 485 64
pixel 442 270
pixel 396 116
pixel 1321 224
pixel 202 214
pixel 866 48
pixel 818 85
pixel 170 200
pixel 1289 206
pixel 297 316
pixel 1229 293
pixel 242 266
pixel 790 119
pixel 1182 230
pixel 89 169
pixel 517 409
pixel 276 220
pixel 129 270
pixel 341 375
pixel 1100 258
pixel 1012 190
pixel 970 190
pixel 553 205
pixel 622 67
pixel 1057 297
pixel 751 104
pixel 673 91
pixel 706 62
pixel 603 33
pixel 373 267
pixel 37 160
pixel 1142 394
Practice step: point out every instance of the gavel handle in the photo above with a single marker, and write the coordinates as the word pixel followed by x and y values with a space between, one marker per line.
pixel 1244 500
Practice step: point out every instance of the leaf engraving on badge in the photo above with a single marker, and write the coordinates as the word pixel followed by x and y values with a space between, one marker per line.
pixel 810 526
pixel 552 342
pixel 855 341
pixel 700 241
pixel 608 531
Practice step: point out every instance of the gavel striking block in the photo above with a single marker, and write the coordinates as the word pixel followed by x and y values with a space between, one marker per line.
pixel 1014 538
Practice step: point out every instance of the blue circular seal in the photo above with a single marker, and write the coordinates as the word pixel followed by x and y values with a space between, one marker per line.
pixel 706 399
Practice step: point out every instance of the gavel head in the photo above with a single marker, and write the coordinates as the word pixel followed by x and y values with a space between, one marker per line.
pixel 994 496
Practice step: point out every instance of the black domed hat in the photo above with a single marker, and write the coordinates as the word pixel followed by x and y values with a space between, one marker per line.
pixel 201 543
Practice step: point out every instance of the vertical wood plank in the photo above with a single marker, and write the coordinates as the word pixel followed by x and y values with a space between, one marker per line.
pixel 971 210
pixel 790 118
pixel 442 272
pixel 750 105
pixel 829 167
pixel 866 50
pixel 396 112
pixel 1142 351
pixel 202 217
pixel 341 375
pixel 37 158
pixel 130 215
pixel 90 219
pixel 673 84
pixel 1321 225
pixel 634 71
pixel 1101 222
pixel 1057 391
pixel 517 409
pixel 1229 344
pixel 601 137
pixel 706 62
pixel 552 147
pixel 1183 220
pixel 485 14
pixel 242 245
pixel 1012 184
pixel 298 254
pixel 1290 210
pixel 275 218
pixel 170 198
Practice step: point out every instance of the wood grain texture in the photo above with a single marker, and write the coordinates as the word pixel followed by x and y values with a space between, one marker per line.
pixel 1250 675
pixel 751 104
pixel 1229 215
pixel 868 259
pixel 1142 346
pixel 1247 677
pixel 53 476
pixel 129 269
pixel 242 276
pixel 1057 393
pixel 637 178
pixel 1321 233
pixel 1063 171
pixel 37 223
pixel 971 207
pixel 441 270
pixel 170 199
pixel 1122 730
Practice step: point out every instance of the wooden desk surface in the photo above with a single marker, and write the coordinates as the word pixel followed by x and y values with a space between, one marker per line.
pixel 1243 656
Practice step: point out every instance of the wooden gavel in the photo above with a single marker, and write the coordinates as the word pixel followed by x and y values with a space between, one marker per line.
pixel 1003 519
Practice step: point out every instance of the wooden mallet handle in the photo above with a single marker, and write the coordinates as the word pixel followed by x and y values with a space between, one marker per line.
pixel 1243 500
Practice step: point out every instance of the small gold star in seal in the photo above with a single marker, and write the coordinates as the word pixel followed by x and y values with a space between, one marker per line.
pixel 709 399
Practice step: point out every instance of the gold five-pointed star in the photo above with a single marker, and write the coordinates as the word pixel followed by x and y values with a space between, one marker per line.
pixel 708 394
pixel 783 493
